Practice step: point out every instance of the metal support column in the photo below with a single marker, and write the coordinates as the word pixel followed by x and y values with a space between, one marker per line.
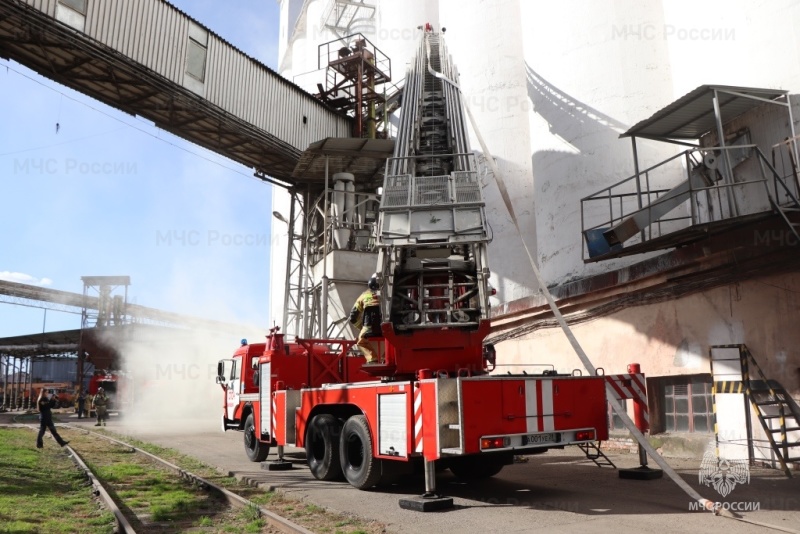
pixel 751 455
pixel 323 333
pixel 732 204
pixel 7 359
pixel 28 386
pixel 638 182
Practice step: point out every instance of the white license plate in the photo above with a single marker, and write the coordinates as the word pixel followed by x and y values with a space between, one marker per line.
pixel 536 439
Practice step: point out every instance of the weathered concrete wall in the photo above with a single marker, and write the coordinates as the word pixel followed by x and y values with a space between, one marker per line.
pixel 587 82
pixel 673 337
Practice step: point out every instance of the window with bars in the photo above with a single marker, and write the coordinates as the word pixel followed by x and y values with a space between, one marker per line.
pixel 686 404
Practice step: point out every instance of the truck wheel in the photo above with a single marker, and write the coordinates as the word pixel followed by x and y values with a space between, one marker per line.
pixel 361 469
pixel 256 450
pixel 322 447
pixel 475 468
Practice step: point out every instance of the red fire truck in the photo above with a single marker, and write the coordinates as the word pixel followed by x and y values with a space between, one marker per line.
pixel 320 395
pixel 117 385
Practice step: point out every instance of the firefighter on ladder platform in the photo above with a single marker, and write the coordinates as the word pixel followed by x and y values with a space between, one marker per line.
pixel 366 316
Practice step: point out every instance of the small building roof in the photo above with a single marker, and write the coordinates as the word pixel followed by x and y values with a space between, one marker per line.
pixel 41 344
pixel 364 158
pixel 692 115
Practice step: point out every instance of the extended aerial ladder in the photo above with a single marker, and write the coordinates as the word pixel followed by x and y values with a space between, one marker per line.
pixel 433 231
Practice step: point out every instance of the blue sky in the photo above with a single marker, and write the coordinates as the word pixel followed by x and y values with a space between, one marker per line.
pixel 191 228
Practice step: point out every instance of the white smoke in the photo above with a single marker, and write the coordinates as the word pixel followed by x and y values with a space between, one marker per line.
pixel 170 377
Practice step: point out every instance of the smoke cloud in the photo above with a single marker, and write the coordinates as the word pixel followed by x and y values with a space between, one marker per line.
pixel 168 382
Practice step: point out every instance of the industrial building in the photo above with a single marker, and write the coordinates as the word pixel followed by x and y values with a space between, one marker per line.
pixel 650 151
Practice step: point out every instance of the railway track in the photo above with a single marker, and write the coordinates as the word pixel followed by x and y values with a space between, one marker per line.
pixel 118 501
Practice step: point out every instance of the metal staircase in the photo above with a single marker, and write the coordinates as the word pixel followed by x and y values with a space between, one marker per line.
pixel 593 453
pixel 786 202
pixel 777 411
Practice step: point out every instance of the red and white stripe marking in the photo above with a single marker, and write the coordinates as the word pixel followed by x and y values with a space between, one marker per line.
pixel 418 420
pixel 630 386
pixel 539 406
pixel 274 415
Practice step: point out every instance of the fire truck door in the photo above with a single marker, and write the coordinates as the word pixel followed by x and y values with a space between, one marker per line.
pixel 265 398
pixel 230 378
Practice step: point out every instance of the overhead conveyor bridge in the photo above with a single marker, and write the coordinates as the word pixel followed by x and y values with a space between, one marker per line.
pixel 147 58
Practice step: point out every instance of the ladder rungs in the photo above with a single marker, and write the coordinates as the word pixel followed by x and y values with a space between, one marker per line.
pixel 775 395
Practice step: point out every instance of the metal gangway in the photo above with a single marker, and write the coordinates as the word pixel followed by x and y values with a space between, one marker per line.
pixel 149 59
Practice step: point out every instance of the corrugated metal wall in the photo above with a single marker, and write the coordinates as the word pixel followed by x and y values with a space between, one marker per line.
pixel 155 34
pixel 46 6
pixel 61 370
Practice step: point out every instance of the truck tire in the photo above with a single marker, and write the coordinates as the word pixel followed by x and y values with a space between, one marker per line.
pixel 477 467
pixel 322 447
pixel 256 450
pixel 360 468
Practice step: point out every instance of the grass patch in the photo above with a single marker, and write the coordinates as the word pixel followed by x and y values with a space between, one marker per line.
pixel 41 490
pixel 151 496
pixel 311 516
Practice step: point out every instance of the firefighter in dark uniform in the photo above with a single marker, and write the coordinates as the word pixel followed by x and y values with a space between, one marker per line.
pixel 46 403
pixel 81 400
pixel 366 316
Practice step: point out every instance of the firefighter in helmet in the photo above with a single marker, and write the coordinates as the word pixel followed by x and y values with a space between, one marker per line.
pixel 100 405
pixel 366 316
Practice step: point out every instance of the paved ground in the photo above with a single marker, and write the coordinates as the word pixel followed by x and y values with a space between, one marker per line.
pixel 557 492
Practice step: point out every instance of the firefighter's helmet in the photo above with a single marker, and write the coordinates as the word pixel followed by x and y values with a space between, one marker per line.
pixel 372 283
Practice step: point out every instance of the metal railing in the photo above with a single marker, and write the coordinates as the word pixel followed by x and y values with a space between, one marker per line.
pixel 352 229
pixel 407 191
pixel 649 205
pixel 355 47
